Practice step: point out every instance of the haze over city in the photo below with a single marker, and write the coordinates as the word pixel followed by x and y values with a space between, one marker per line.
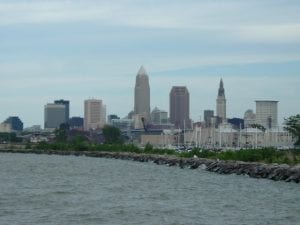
pixel 80 49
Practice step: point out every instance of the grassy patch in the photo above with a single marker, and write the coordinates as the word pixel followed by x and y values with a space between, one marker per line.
pixel 265 155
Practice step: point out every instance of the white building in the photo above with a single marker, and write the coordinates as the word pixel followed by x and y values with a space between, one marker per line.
pixel 267 113
pixel 34 128
pixel 223 137
pixel 5 127
pixel 94 114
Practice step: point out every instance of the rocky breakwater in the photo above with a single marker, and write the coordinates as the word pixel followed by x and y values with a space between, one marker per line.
pixel 275 172
pixel 256 170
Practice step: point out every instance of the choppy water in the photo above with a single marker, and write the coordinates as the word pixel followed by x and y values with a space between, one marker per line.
pixel 42 189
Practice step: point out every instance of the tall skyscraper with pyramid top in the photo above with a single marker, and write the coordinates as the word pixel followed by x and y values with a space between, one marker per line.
pixel 142 95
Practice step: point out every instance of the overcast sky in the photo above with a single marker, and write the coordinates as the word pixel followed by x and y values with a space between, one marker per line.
pixel 79 49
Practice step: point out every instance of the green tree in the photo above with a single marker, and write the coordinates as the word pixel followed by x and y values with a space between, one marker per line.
pixel 112 135
pixel 292 125
pixel 9 137
pixel 80 143
pixel 148 147
pixel 61 133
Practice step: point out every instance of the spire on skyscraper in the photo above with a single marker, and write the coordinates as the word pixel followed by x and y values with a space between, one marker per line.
pixel 221 103
pixel 221 89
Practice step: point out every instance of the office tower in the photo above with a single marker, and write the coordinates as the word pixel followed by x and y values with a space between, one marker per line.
pixel 94 114
pixel 249 118
pixel 112 117
pixel 67 104
pixel 208 115
pixel 15 123
pixel 221 103
pixel 236 123
pixel 54 115
pixel 180 107
pixel 159 116
pixel 267 113
pixel 75 123
pixel 142 95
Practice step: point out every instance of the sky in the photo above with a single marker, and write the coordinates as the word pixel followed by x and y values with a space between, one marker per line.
pixel 81 49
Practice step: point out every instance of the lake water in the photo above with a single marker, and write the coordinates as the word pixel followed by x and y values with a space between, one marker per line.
pixel 42 189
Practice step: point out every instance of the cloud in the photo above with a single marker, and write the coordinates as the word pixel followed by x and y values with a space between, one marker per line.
pixel 108 13
pixel 48 12
pixel 257 21
pixel 192 14
pixel 287 33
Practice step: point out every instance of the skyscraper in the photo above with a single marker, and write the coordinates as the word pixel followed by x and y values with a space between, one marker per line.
pixel 249 118
pixel 112 117
pixel 267 113
pixel 67 104
pixel 159 116
pixel 180 107
pixel 54 115
pixel 208 115
pixel 221 103
pixel 94 114
pixel 76 122
pixel 142 95
pixel 15 123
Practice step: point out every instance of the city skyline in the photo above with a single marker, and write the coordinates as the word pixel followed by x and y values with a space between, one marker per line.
pixel 78 50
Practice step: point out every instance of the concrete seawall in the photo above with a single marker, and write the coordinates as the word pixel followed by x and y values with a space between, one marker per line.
pixel 275 172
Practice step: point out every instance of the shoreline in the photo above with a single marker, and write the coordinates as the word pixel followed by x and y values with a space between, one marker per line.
pixel 276 172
